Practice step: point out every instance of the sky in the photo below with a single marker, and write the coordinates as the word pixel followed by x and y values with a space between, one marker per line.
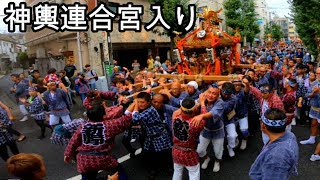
pixel 4 4
pixel 279 7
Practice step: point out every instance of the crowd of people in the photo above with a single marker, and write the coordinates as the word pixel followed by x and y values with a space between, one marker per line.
pixel 175 126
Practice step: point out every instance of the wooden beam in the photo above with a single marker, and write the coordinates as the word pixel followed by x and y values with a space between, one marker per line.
pixel 154 90
pixel 250 66
pixel 199 78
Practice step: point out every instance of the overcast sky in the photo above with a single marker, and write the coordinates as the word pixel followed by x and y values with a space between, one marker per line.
pixel 280 7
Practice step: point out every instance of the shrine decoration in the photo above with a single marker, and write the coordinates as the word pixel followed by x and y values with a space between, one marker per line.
pixel 209 40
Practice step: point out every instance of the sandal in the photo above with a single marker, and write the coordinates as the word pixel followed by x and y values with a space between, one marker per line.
pixel 22 138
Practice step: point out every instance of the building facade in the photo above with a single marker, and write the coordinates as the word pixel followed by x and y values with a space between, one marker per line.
pixel 52 48
pixel 293 35
pixel 10 46
pixel 129 45
pixel 284 24
pixel 262 11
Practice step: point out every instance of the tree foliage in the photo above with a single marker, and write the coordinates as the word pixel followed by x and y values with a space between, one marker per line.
pixel 307 20
pixel 23 59
pixel 241 14
pixel 169 15
pixel 275 31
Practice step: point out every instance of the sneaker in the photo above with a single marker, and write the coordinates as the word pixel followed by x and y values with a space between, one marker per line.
pixel 41 137
pixel 230 151
pixel 133 140
pixel 25 118
pixel 205 163
pixel 243 145
pixel 308 141
pixel 216 167
pixel 314 157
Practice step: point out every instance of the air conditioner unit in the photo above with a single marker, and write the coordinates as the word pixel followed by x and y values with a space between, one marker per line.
pixel 210 53
pixel 176 55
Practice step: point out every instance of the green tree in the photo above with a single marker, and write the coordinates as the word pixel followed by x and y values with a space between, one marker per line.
pixel 241 14
pixel 306 18
pixel 275 31
pixel 169 15
pixel 23 59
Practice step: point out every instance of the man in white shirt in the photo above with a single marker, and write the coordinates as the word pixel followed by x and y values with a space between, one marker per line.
pixel 91 76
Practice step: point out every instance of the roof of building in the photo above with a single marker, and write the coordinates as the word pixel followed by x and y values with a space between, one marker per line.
pixel 7 37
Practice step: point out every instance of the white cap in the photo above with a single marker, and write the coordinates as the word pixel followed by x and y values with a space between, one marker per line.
pixel 193 83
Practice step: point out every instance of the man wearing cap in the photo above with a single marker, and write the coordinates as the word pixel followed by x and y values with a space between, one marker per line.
pixel 241 112
pixel 185 140
pixel 58 103
pixel 266 98
pixel 279 157
pixel 212 112
pixel 192 90
pixel 175 98
pixel 314 114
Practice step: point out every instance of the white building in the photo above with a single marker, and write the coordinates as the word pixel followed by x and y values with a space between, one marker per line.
pixel 10 46
pixel 262 11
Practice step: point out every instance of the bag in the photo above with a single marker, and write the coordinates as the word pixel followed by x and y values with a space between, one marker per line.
pixel 95 76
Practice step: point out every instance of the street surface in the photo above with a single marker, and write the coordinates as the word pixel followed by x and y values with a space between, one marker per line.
pixel 231 168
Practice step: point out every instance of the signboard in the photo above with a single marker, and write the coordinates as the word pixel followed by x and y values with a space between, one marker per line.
pixel 108 68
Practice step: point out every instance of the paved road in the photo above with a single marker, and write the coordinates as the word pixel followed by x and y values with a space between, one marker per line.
pixel 231 168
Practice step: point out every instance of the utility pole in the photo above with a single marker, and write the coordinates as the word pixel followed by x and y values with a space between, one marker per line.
pixel 79 49
pixel 79 52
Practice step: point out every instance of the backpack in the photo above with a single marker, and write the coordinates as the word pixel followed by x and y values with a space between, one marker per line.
pixel 95 76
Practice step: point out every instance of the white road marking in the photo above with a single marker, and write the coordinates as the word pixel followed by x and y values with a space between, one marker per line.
pixel 120 160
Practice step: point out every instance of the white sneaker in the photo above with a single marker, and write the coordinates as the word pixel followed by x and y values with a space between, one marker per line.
pixel 216 167
pixel 243 145
pixel 231 152
pixel 133 140
pixel 293 123
pixel 314 157
pixel 308 141
pixel 205 163
pixel 25 118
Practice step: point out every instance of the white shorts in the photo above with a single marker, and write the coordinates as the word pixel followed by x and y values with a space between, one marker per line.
pixel 54 120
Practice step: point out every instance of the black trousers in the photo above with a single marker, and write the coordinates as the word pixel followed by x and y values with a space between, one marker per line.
pixel 93 175
pixel 4 151
pixel 126 141
pixel 43 126
pixel 13 131
pixel 158 161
